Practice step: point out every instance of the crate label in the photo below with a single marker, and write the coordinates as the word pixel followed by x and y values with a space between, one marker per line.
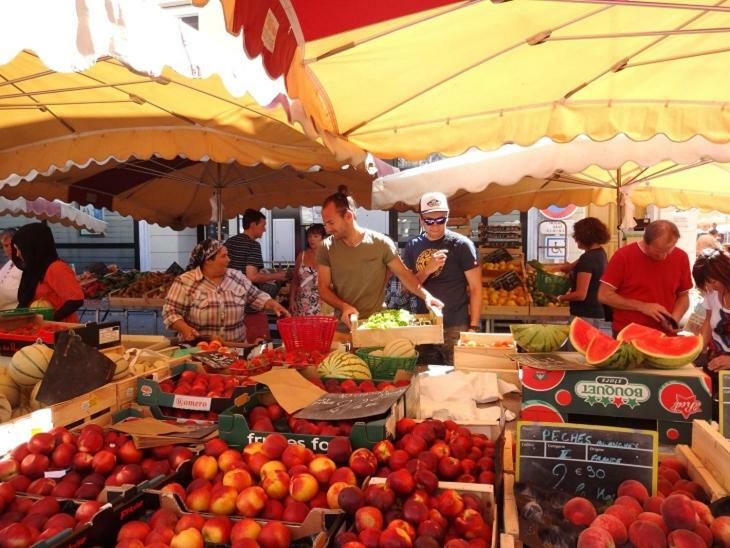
pixel 110 335
pixel 130 392
pixel 193 403
pixel 85 406
pixel 585 460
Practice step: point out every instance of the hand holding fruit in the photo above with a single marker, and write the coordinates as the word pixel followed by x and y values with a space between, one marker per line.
pixel 719 363
pixel 188 333
pixel 655 311
pixel 437 261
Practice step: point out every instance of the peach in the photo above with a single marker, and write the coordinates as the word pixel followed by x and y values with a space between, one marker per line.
pixel 579 511
pixel 471 525
pixel 633 488
pixel 394 537
pixel 129 454
pixel 274 534
pixel 333 494
pixel 656 519
pixel 251 449
pixel 276 484
pixel 449 468
pixel 256 462
pixel 595 537
pixel 132 530
pixel 674 464
pixel 87 491
pixel 215 447
pixel 9 468
pixel 383 450
pixel 7 493
pixel 653 504
pixel 426 480
pixel 217 530
pixel 130 474
pixel 294 455
pixel 47 506
pixel 681 538
pixel 18 535
pixel 198 500
pixel 303 487
pixel 189 538
pixel 624 513
pixel 159 538
pixel 162 451
pixel 42 486
pixel 34 465
pixel 87 510
pixel 238 478
pixel 178 455
pixel 82 461
pixel 174 488
pixel 223 500
pixel 613 525
pixel 205 467
pixel 274 446
pixel 351 499
pixel 295 512
pixel 251 501
pixel 63 454
pixel 398 459
pixel 450 503
pixel 322 468
pixel 721 530
pixel 43 442
pixel 343 474
pixel 34 521
pixel 379 495
pixel 245 529
pixel 704 532
pixel 90 441
pixel 319 501
pixel 104 461
pixel 229 460
pixel 273 509
pixel 368 517
pixel 401 481
pixel 164 517
pixel 271 467
pixel 60 521
pixel 363 462
pixel 187 521
pixel 415 511
pixel 672 476
pixel 339 449
pixel 703 512
pixel 678 512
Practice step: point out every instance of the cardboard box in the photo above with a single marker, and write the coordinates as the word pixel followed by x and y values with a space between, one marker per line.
pixel 484 355
pixel 417 334
pixel 662 400
pixel 150 394
pixel 234 428
pixel 485 492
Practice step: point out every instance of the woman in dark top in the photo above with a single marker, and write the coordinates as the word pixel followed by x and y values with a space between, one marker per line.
pixel 589 234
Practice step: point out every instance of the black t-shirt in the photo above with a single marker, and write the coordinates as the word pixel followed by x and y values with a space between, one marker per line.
pixel 448 284
pixel 594 262
pixel 243 251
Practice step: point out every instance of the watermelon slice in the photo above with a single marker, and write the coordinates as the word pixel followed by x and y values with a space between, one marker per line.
pixel 669 352
pixel 581 334
pixel 637 331
pixel 605 352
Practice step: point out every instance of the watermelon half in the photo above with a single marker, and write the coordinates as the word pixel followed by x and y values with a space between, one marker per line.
pixel 605 352
pixel 637 331
pixel 581 333
pixel 669 352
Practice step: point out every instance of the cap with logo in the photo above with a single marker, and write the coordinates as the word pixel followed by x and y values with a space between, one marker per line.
pixel 434 201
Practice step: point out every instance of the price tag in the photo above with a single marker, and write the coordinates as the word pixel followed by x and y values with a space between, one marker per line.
pixel 585 460
pixel 193 403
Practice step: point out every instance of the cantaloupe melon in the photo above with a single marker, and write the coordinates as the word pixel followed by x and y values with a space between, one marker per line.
pixel 29 364
pixel 10 389
pixel 121 365
pixel 41 303
pixel 6 411
pixel 32 401
pixel 399 348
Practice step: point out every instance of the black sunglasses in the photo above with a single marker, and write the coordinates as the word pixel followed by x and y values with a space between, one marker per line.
pixel 436 221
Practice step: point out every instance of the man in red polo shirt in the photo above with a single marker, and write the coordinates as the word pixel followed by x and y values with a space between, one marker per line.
pixel 647 282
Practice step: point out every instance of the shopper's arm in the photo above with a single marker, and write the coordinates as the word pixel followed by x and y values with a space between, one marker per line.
pixel 681 306
pixel 582 282
pixel 706 330
pixel 410 282
pixel 474 280
pixel 324 284
pixel 294 284
pixel 607 295
pixel 258 277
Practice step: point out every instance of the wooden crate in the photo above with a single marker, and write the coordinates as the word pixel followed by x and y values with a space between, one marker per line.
pixel 712 450
pixel 480 357
pixel 549 311
pixel 506 311
pixel 85 408
pixel 116 300
pixel 510 517
pixel 418 334
pixel 699 473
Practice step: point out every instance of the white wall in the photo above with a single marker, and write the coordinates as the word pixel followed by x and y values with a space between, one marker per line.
pixel 163 246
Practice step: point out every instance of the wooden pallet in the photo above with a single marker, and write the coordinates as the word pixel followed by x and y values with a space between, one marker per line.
pixel 711 469
pixel 510 517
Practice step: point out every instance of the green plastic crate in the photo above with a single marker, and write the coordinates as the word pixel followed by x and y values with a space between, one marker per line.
pixel 47 313
pixel 385 367
pixel 552 284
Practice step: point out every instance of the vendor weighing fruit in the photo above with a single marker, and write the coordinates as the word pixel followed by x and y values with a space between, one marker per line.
pixel 447 264
pixel 209 300
pixel 353 262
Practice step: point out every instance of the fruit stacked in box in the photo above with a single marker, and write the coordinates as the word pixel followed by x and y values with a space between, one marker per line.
pixel 80 466
pixel 351 386
pixel 282 356
pixel 677 516
pixel 198 383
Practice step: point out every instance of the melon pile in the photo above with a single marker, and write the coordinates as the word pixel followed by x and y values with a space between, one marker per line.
pixel 539 337
pixel 399 348
pixel 635 345
pixel 343 365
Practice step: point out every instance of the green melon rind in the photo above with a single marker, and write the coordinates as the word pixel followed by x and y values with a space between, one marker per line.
pixel 540 337
pixel 658 361
pixel 625 356
pixel 591 331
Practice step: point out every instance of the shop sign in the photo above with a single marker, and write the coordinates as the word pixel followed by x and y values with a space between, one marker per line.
pixel 609 390
pixel 585 460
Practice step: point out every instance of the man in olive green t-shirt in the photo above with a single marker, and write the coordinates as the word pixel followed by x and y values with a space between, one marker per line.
pixel 353 261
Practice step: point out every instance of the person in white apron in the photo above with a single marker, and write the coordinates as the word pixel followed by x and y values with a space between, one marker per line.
pixel 9 274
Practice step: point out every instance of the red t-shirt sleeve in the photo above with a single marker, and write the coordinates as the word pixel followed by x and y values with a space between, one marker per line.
pixel 614 273
pixel 62 281
pixel 685 283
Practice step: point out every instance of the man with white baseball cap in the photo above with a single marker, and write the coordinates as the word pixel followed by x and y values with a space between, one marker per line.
pixel 446 263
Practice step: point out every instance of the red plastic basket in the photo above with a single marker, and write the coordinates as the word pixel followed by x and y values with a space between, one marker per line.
pixel 307 332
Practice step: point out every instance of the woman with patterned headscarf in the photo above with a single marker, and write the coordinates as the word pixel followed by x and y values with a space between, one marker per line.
pixel 209 299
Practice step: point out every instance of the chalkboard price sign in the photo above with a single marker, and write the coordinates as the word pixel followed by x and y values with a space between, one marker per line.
pixel 724 394
pixel 585 460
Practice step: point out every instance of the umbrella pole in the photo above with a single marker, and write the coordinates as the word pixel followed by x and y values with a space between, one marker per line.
pixel 619 208
pixel 219 208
